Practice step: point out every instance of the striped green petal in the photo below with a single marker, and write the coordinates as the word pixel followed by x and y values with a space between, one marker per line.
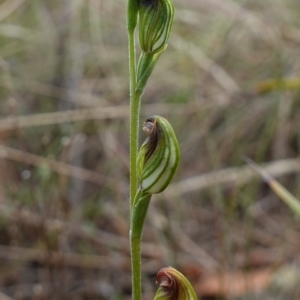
pixel 158 157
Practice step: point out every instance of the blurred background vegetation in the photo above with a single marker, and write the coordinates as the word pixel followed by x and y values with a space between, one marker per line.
pixel 229 85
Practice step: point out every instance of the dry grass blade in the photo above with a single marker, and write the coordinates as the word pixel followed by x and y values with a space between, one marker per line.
pixel 10 124
pixel 60 258
pixel 8 7
pixel 231 176
pixel 99 113
pixel 82 230
pixel 199 254
pixel 4 297
pixel 60 167
pixel 281 192
pixel 203 61
pixel 278 84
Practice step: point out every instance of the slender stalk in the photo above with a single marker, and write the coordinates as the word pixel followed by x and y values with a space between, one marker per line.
pixel 135 243
pixel 138 216
pixel 138 80
pixel 134 116
pixel 135 99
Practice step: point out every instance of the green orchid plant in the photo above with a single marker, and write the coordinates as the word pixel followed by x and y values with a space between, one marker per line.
pixel 154 165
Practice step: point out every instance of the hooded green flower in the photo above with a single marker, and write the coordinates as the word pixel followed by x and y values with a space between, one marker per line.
pixel 173 286
pixel 155 22
pixel 158 157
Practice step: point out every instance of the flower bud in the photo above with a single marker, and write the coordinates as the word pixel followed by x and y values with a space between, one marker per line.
pixel 173 286
pixel 158 157
pixel 155 22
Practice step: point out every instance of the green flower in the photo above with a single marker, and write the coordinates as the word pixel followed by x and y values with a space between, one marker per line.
pixel 155 22
pixel 173 286
pixel 158 157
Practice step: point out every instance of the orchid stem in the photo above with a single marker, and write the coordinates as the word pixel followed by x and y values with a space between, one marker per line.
pixel 135 100
pixel 135 244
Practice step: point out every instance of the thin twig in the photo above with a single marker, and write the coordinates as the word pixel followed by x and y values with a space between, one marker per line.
pixel 59 258
pixel 99 113
pixel 231 176
pixel 281 192
pixel 8 125
pixel 4 297
pixel 62 168
pixel 111 240
pixel 210 66
pixel 8 7
pixel 196 251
